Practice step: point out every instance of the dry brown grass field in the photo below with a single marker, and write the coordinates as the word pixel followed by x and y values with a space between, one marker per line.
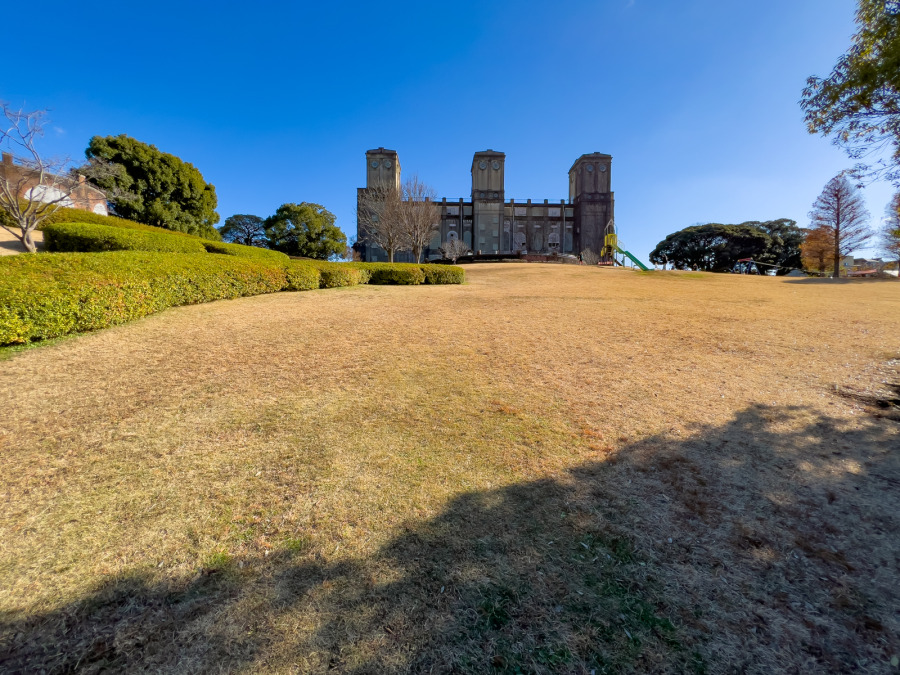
pixel 550 469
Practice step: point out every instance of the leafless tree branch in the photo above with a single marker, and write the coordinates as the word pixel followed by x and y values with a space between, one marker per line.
pixel 379 213
pixel 453 249
pixel 32 187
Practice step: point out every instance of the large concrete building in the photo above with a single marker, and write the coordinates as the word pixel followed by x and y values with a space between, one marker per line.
pixel 489 223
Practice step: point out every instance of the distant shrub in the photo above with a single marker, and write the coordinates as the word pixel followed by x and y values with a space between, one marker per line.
pixel 44 296
pixel 242 251
pixel 334 275
pixel 383 274
pixel 91 238
pixel 443 274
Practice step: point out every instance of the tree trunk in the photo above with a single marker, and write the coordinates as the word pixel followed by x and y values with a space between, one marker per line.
pixel 837 254
pixel 27 242
pixel 417 254
pixel 391 255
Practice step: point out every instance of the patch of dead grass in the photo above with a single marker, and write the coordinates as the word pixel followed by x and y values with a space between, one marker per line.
pixel 460 479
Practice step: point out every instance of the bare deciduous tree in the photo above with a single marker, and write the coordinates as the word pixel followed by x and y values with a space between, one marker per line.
pixel 588 257
pixel 419 215
pixel 840 211
pixel 453 249
pixel 379 213
pixel 31 186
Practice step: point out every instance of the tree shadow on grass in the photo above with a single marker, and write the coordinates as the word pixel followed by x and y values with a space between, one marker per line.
pixel 764 545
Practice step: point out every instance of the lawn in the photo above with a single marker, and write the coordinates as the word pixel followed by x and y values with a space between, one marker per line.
pixel 550 469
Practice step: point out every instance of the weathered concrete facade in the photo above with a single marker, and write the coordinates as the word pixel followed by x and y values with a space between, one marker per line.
pixel 490 223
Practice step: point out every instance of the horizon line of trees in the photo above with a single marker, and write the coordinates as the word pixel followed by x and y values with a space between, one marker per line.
pixel 839 225
pixel 717 247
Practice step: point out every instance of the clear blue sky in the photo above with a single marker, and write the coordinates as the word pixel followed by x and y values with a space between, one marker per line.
pixel 277 102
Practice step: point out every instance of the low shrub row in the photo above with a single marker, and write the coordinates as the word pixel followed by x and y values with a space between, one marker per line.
pixel 242 251
pixel 408 274
pixel 93 238
pixel 44 296
pixel 105 271
pixel 50 295
pixel 67 215
pixel 300 276
pixel 411 273
pixel 71 230
pixel 443 274
pixel 84 237
pixel 335 275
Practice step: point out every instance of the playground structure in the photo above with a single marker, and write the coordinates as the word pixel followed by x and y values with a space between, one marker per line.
pixel 611 248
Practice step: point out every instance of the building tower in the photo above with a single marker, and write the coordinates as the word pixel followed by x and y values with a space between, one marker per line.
pixel 589 182
pixel 487 200
pixel 382 172
pixel 382 168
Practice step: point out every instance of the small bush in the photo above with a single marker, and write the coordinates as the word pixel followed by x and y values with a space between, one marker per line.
pixel 44 296
pixel 335 275
pixel 382 274
pixel 301 276
pixel 242 251
pixel 444 274
pixel 92 238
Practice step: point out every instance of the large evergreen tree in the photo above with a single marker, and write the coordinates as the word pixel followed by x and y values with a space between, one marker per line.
pixel 784 250
pixel 306 230
pixel 244 229
pixel 715 247
pixel 152 187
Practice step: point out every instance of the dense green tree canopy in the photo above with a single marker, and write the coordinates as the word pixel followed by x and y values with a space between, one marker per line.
pixel 244 229
pixel 152 187
pixel 712 247
pixel 784 250
pixel 306 230
pixel 716 248
pixel 859 103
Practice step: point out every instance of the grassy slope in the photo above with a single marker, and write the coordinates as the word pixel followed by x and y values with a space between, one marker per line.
pixel 390 479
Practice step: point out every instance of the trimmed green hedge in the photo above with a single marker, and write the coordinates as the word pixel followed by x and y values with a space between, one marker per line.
pixel 444 274
pixel 392 273
pixel 84 237
pixel 334 275
pixel 45 296
pixel 92 238
pixel 244 251
pixel 411 273
pixel 300 276
pixel 67 215
pixel 50 295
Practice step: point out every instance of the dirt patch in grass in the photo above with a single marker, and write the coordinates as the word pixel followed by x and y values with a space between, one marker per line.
pixel 549 469
pixel 11 245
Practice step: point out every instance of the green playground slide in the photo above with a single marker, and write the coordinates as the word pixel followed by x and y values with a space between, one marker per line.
pixel 633 259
